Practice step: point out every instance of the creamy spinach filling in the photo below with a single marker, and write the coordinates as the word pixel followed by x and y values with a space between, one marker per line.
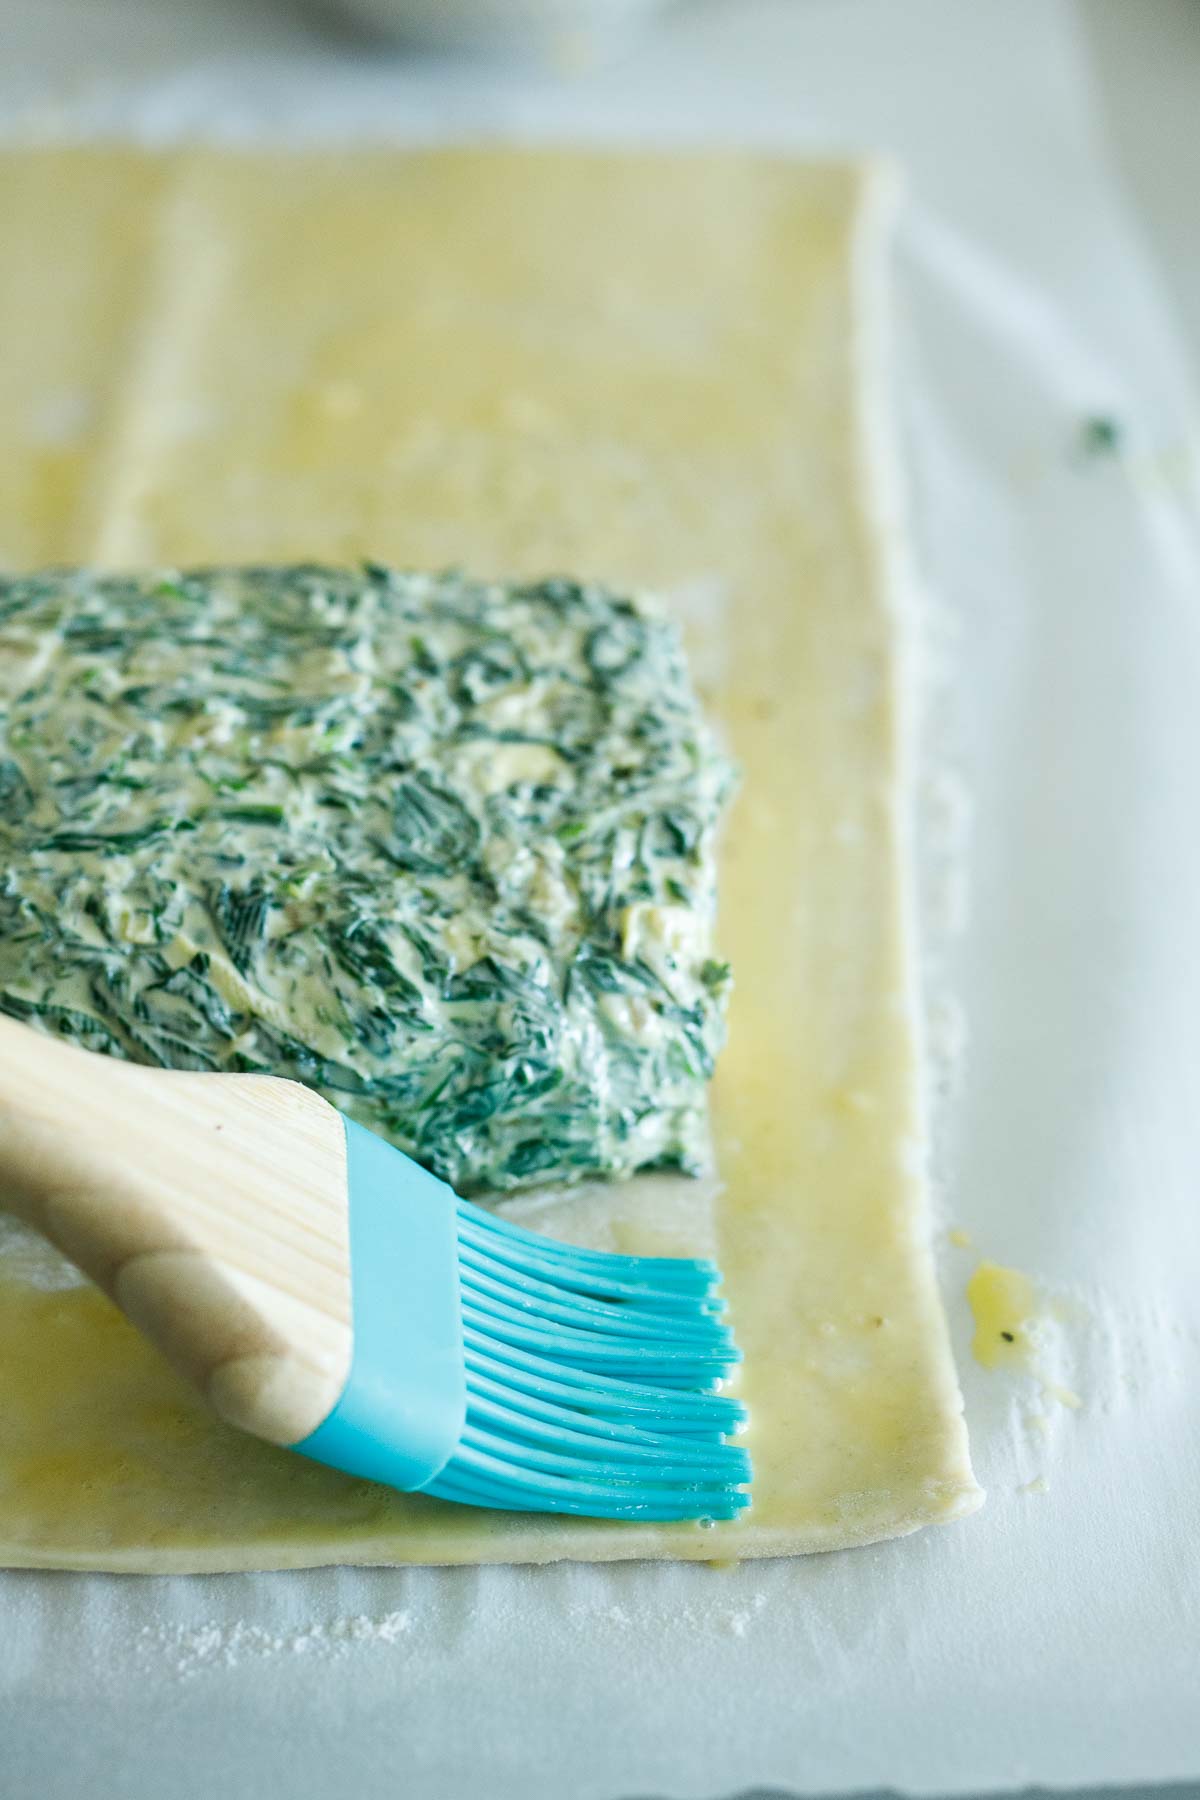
pixel 442 850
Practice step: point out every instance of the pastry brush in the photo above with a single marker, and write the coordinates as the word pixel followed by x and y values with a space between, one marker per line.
pixel 327 1293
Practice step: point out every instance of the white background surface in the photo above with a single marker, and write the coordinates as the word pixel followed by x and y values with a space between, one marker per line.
pixel 1055 1637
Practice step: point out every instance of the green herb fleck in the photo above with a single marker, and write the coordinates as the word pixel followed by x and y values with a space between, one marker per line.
pixel 1101 435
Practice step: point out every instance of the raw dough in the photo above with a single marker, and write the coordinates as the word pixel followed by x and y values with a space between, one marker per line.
pixel 654 370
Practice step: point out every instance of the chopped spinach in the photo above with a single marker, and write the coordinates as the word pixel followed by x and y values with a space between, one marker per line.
pixel 16 795
pixel 432 831
pixel 418 841
pixel 241 920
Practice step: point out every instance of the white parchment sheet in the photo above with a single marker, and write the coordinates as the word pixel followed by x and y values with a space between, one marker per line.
pixel 1055 1637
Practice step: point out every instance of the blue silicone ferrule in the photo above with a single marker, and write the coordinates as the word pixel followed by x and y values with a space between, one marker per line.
pixel 401 1413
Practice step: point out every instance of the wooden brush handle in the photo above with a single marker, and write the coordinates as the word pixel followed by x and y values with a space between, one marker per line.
pixel 212 1208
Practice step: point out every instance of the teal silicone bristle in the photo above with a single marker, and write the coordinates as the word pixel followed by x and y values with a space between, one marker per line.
pixel 590 1382
pixel 495 1367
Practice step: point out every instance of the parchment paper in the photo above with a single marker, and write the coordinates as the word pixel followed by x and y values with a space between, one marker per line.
pixel 1053 1638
